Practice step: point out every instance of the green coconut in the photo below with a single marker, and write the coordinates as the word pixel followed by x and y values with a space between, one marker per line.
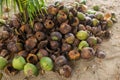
pixel 46 63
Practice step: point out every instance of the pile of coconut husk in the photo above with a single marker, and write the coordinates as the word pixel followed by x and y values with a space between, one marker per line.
pixel 53 39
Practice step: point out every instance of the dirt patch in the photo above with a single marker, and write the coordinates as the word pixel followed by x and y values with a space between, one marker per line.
pixel 97 69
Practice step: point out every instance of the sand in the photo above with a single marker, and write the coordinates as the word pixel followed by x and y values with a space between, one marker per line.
pixel 97 69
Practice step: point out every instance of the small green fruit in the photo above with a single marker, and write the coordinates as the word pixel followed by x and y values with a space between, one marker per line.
pixel 46 63
pixel 95 22
pixel 92 41
pixel 82 35
pixel 113 18
pixel 56 36
pixel 18 63
pixel 99 16
pixel 82 44
pixel 65 9
pixel 96 8
pixel 83 1
pixel 69 38
pixel 81 16
pixel 70 16
pixel 3 62
pixel 91 11
pixel 109 23
pixel 30 69
pixel 2 21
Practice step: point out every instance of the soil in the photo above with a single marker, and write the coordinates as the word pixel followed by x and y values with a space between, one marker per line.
pixel 97 69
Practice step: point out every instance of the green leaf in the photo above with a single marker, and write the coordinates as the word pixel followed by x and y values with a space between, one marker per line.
pixel 29 8
pixel 1 6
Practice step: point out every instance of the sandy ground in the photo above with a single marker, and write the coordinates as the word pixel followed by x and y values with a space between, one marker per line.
pixel 106 69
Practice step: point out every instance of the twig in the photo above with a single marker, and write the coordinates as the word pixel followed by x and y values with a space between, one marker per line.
pixel 113 56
